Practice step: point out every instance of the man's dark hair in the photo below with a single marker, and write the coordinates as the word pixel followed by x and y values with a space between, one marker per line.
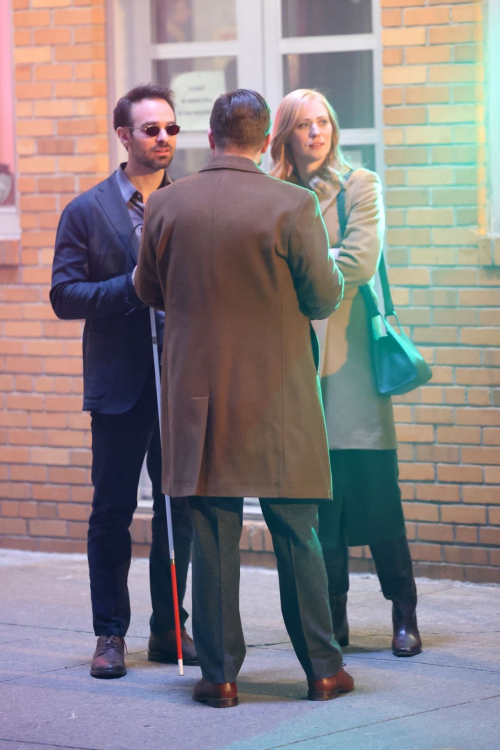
pixel 121 114
pixel 241 118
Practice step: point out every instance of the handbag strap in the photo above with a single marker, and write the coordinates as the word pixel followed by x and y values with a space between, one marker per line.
pixel 341 212
pixel 382 268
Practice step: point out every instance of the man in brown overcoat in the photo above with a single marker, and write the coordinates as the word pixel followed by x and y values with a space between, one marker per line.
pixel 239 262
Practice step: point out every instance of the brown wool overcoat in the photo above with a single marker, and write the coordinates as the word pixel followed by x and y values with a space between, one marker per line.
pixel 239 261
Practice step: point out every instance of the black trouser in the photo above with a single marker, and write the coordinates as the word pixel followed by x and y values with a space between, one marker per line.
pixel 393 563
pixel 303 586
pixel 366 510
pixel 119 444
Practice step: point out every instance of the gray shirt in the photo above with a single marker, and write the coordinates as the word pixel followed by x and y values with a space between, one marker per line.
pixel 133 198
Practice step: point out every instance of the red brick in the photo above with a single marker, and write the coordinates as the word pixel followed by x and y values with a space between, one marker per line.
pixel 462 474
pixel 489 535
pixel 50 456
pixel 48 528
pixel 28 509
pixel 46 510
pixel 481 455
pixel 416 471
pixel 466 555
pixel 17 526
pixel 466 534
pixel 491 436
pixel 477 416
pixel 415 433
pixel 438 453
pixel 494 516
pixel 463 514
pixel 67 476
pixel 431 532
pixel 482 495
pixel 459 435
pixel 28 473
pixel 51 492
pixel 31 19
pixel 438 493
pixel 71 512
pixel 82 494
pixel 434 414
pixel 52 36
pixel 426 16
pixel 428 552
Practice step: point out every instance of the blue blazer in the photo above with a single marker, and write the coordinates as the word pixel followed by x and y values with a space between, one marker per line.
pixel 95 254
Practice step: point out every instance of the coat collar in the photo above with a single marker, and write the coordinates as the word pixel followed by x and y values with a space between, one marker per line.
pixel 240 163
pixel 113 205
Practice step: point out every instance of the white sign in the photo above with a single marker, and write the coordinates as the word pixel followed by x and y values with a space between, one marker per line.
pixel 195 94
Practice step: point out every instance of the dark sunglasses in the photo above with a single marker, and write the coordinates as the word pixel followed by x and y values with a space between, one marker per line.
pixel 153 130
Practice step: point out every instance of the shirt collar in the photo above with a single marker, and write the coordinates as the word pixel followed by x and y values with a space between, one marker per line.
pixel 127 189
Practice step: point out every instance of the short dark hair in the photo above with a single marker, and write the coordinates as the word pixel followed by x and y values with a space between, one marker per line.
pixel 241 118
pixel 121 113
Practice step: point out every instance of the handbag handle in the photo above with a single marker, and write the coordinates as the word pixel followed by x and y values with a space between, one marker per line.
pixel 382 268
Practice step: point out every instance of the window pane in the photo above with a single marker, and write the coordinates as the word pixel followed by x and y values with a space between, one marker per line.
pixel 187 161
pixel 345 78
pixel 196 83
pixel 193 21
pixel 326 17
pixel 360 156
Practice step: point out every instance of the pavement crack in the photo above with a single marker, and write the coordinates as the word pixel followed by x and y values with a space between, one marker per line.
pixel 383 721
pixel 50 744
pixel 421 661
pixel 62 630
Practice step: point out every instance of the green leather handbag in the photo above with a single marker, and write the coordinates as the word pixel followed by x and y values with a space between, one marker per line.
pixel 398 366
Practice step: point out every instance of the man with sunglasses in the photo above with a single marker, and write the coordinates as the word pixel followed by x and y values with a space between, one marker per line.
pixel 95 257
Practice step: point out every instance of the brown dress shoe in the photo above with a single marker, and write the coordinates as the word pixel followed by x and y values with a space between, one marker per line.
pixel 216 694
pixel 162 647
pixel 330 687
pixel 109 657
pixel 406 640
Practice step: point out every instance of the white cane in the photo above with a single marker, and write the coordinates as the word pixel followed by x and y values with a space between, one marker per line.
pixel 168 508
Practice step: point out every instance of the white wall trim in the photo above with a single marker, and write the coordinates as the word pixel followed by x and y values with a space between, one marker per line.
pixel 317 44
pixel 185 50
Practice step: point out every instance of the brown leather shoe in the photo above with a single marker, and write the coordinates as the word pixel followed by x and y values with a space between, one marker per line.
pixel 162 647
pixel 216 694
pixel 330 687
pixel 406 640
pixel 109 657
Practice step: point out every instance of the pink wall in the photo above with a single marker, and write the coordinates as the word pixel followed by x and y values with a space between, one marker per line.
pixel 6 98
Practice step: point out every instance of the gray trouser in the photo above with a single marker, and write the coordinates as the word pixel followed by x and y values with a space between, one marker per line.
pixel 217 630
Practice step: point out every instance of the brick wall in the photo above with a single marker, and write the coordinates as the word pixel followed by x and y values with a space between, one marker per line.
pixel 62 147
pixel 448 295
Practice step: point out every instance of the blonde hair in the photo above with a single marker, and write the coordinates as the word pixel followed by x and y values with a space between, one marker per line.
pixel 334 165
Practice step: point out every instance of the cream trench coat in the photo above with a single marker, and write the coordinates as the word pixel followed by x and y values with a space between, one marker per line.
pixel 357 416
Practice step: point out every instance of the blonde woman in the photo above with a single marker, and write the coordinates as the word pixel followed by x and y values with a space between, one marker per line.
pixel 362 439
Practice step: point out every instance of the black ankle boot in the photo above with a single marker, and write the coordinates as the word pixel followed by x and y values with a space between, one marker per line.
pixel 406 640
pixel 338 606
pixel 395 572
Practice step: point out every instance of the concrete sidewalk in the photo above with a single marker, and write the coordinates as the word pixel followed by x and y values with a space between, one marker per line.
pixel 448 697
